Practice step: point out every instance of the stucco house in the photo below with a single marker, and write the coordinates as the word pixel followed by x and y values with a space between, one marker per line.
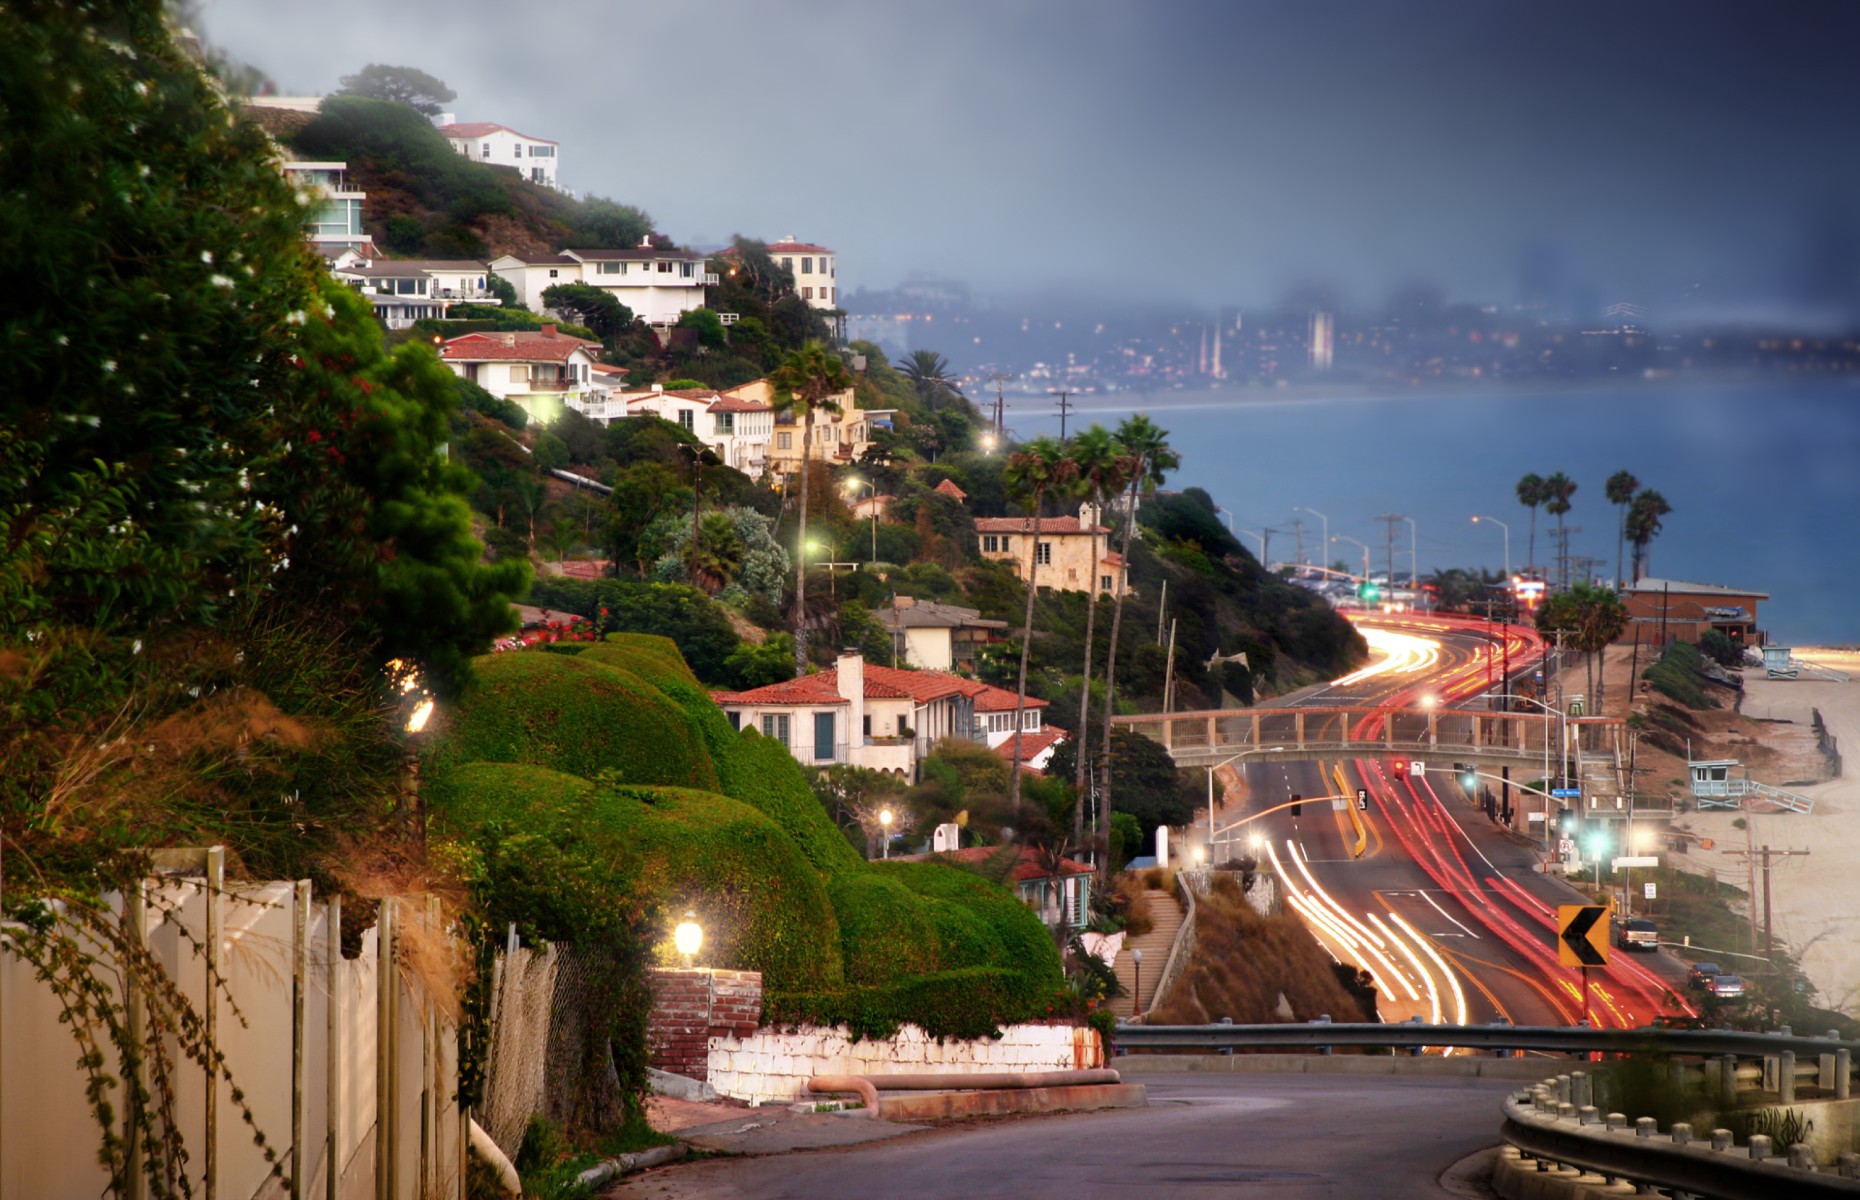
pixel 839 437
pixel 543 372
pixel 406 290
pixel 536 159
pixel 1073 556
pixel 658 286
pixel 936 637
pixel 1678 610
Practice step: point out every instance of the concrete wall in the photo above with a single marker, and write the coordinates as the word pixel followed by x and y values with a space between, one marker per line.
pixel 771 1067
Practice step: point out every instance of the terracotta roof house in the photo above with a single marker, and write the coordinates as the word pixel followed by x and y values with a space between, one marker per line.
pixel 1031 880
pixel 1074 556
pixel 948 488
pixel 934 636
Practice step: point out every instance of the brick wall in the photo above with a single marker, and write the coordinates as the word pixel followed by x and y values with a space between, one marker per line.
pixel 768 1066
pixel 690 1007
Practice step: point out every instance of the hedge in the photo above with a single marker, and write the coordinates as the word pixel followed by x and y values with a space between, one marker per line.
pixel 651 656
pixel 683 614
pixel 574 715
pixel 566 844
pixel 971 1003
pixel 979 921
pixel 885 932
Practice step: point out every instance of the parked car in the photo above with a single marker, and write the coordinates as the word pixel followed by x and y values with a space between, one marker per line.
pixel 1725 987
pixel 1637 933
pixel 1701 973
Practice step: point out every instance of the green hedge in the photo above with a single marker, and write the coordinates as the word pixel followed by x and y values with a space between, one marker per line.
pixel 980 922
pixel 971 1003
pixel 573 715
pixel 1679 673
pixel 565 844
pixel 651 656
pixel 885 933
pixel 684 614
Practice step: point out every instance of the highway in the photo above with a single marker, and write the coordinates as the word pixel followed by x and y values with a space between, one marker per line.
pixel 1447 910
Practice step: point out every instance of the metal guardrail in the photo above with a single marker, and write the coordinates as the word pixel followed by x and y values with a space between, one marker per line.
pixel 1545 1123
pixel 1558 1038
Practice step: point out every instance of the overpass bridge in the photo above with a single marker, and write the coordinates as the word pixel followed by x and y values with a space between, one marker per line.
pixel 1485 739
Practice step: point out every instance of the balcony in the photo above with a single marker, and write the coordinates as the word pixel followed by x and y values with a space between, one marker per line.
pixel 708 279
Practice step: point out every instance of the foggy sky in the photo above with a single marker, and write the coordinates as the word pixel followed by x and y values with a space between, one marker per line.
pixel 1208 152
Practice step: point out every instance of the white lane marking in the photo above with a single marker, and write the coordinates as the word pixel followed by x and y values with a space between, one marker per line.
pixel 1443 912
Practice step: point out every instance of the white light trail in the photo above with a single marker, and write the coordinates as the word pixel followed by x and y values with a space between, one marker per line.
pixel 1459 997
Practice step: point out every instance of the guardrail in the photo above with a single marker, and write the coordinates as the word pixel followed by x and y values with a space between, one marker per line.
pixel 1565 1039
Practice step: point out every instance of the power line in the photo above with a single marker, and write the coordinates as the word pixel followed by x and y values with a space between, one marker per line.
pixel 1065 408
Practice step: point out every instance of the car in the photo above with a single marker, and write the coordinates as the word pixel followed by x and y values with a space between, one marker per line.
pixel 1725 987
pixel 1701 973
pixel 1637 933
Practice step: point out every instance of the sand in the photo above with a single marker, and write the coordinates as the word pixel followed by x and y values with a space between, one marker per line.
pixel 1815 899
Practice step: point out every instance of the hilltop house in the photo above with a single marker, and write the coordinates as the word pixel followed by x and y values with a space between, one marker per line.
pixel 884 718
pixel 406 290
pixel 536 159
pixel 738 430
pixel 933 636
pixel 1064 547
pixel 1032 880
pixel 543 372
pixel 657 286
pixel 336 216
pixel 839 437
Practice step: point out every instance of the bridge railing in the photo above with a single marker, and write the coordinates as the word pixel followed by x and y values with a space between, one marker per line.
pixel 1417 731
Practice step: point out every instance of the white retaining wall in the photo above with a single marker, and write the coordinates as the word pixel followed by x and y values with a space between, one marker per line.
pixel 770 1067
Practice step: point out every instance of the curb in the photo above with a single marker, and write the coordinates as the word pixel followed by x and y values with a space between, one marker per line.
pixel 942 1106
pixel 611 1169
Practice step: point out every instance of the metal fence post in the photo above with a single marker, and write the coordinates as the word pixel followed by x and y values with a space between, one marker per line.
pixel 1785 1077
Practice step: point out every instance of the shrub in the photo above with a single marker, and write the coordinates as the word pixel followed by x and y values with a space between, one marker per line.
pixel 884 932
pixel 573 715
pixel 1678 675
pixel 1006 932
pixel 970 1003
pixel 677 611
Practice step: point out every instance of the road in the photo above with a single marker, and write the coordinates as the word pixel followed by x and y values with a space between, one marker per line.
pixel 1448 910
pixel 1295 1137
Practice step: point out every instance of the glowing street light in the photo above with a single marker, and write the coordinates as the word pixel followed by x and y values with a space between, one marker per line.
pixel 1217 766
pixel 1478 517
pixel 688 937
pixel 885 819
pixel 852 485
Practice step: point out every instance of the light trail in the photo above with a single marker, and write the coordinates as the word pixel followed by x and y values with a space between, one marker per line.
pixel 1459 996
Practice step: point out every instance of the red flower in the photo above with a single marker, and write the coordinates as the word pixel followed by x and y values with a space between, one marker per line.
pixel 315 436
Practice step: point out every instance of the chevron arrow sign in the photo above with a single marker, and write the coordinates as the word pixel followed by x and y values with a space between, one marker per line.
pixel 1582 935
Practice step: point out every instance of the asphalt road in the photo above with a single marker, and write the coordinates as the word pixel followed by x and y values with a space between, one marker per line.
pixel 1295 1137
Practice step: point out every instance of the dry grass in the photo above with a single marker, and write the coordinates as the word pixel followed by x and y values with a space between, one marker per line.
pixel 382 866
pixel 1244 963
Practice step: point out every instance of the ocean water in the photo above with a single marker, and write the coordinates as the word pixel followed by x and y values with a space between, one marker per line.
pixel 1763 477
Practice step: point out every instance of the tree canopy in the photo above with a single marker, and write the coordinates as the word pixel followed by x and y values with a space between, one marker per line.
pixel 403 85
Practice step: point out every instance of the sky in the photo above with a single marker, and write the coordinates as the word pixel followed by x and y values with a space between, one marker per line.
pixel 1693 155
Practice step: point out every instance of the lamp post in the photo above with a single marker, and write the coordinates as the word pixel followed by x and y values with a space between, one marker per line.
pixel 1414 569
pixel 1259 537
pixel 1211 770
pixel 1477 517
pixel 884 821
pixel 852 485
pixel 1562 755
pixel 1320 516
pixel 1136 997
pixel 1365 545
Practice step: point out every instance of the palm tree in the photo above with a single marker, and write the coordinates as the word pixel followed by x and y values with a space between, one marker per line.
pixel 928 372
pixel 1557 491
pixel 1643 525
pixel 1620 489
pixel 1032 471
pixel 806 382
pixel 1099 458
pixel 1530 495
pixel 1594 618
pixel 1147 459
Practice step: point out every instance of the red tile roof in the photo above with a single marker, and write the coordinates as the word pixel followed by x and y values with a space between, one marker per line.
pixel 727 403
pixel 1053 525
pixel 1032 745
pixel 525 347
pixel 787 247
pixel 948 488
pixel 474 129
pixel 1026 869
pixel 881 683
pixel 921 686
pixel 994 699
pixel 821 688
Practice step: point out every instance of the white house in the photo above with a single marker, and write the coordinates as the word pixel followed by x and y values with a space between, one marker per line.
pixel 658 286
pixel 936 636
pixel 543 372
pixel 405 290
pixel 815 270
pixel 336 219
pixel 841 436
pixel 488 142
pixel 738 430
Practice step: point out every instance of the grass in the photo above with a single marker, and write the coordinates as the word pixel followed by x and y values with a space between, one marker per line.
pixel 1244 962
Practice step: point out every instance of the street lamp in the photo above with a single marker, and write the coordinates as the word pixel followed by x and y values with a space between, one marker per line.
pixel 1414 570
pixel 1478 518
pixel 1320 516
pixel 1259 537
pixel 1365 545
pixel 1136 998
pixel 884 820
pixel 1211 770
pixel 688 937
pixel 851 486
pixel 1562 755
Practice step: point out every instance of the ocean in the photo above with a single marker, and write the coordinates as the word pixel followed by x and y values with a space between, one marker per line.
pixel 1763 477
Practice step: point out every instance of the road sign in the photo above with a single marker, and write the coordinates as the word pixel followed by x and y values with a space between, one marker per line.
pixel 1635 860
pixel 1582 935
pixel 1566 793
pixel 1417 768
pixel 1652 890
pixel 1362 799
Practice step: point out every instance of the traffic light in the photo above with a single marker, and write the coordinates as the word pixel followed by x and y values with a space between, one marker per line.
pixel 1468 779
pixel 1367 590
pixel 1297 804
pixel 1400 767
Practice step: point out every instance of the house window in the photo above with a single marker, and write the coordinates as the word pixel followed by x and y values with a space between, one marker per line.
pixel 787 264
pixel 784 441
pixel 552 272
pixel 823 735
pixel 487 150
pixel 807 293
pixel 1104 583
pixel 990 543
pixel 685 418
pixel 542 151
pixel 687 269
pixel 726 422
pixel 807 266
pixel 665 268
pixel 520 373
pixel 868 726
pixel 736 719
pixel 836 295
pixel 608 268
pixel 537 175
pixel 775 725
pixel 1043 553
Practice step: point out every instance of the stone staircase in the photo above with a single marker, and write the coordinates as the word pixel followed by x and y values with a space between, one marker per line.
pixel 1166 912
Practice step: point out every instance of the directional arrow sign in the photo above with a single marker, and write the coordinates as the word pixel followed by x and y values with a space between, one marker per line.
pixel 1582 935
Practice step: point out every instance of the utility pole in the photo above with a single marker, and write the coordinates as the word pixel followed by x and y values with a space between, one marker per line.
pixel 1298 534
pixel 1065 409
pixel 1000 378
pixel 1760 859
pixel 1388 520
